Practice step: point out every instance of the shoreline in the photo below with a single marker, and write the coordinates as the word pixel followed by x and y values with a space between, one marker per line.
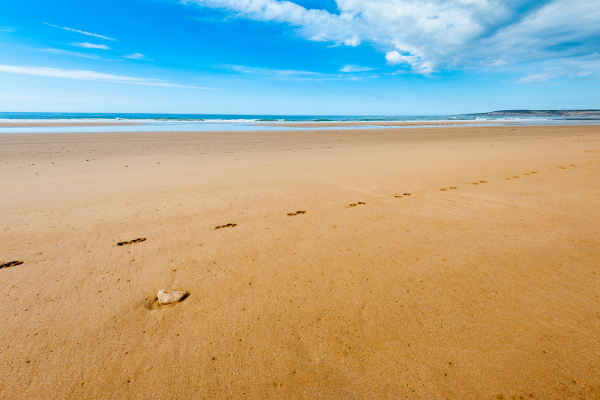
pixel 62 124
pixel 320 129
pixel 390 124
pixel 246 128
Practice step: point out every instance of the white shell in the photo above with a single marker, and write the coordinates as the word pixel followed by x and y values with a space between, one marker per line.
pixel 170 296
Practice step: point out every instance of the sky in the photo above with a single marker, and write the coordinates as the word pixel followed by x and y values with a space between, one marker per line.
pixel 308 57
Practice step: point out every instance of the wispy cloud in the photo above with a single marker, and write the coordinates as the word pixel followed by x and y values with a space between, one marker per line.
pixel 87 45
pixel 540 77
pixel 136 56
pixel 356 68
pixel 272 72
pixel 586 67
pixel 82 32
pixel 88 75
pixel 7 29
pixel 71 53
pixel 292 74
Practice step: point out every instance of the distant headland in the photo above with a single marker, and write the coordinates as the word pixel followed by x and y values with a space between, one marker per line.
pixel 542 113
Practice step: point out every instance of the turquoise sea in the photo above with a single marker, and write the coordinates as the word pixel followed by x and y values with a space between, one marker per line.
pixel 227 122
pixel 28 116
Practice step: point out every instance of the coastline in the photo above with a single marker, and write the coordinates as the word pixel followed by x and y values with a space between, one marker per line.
pixel 390 124
pixel 63 124
pixel 308 124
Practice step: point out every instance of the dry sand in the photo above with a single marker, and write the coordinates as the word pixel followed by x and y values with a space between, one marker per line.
pixel 487 291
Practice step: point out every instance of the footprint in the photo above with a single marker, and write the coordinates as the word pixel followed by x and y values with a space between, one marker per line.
pixel 516 176
pixel 483 181
pixel 408 194
pixel 356 204
pixel 533 172
pixel 297 213
pixel 562 167
pixel 453 187
pixel 443 189
pixel 225 226
pixel 138 240
pixel 525 174
pixel 11 264
pixel 508 179
pixel 398 196
pixel 573 165
pixel 475 183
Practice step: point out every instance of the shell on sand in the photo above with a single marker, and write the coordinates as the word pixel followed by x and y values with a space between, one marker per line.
pixel 170 296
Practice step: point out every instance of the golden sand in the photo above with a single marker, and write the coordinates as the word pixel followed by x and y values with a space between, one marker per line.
pixel 483 283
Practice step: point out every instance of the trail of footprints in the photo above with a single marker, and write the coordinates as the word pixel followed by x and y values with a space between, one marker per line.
pixel 138 240
pixel 230 225
pixel 516 176
pixel 454 187
pixel 297 213
pixel 356 204
pixel 225 226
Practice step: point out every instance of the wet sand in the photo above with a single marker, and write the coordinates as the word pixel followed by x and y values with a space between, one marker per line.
pixel 483 283
pixel 376 123
pixel 62 124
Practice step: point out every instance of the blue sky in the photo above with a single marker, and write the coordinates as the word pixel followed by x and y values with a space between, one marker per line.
pixel 317 57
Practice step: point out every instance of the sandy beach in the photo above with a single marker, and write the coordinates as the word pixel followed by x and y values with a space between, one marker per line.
pixel 471 271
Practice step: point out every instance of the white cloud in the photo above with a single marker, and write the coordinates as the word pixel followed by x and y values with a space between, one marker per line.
pixel 272 72
pixel 539 77
pixel 412 62
pixel 352 41
pixel 432 34
pixel 395 58
pixel 311 21
pixel 289 74
pixel 83 32
pixel 135 56
pixel 557 30
pixel 586 67
pixel 7 29
pixel 87 45
pixel 355 68
pixel 321 37
pixel 71 53
pixel 87 75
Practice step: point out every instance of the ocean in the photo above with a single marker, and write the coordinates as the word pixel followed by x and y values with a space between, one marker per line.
pixel 136 117
pixel 149 122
